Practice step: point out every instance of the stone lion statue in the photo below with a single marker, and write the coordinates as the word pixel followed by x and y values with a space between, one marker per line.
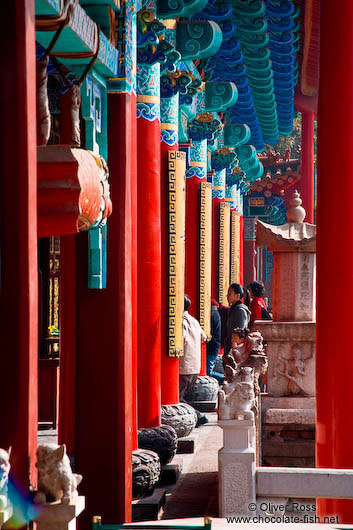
pixel 4 475
pixel 56 481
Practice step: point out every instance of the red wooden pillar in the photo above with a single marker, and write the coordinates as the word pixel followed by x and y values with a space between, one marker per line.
pixel 249 249
pixel 218 196
pixel 195 174
pixel 168 142
pixel 334 395
pixel 241 254
pixel 307 154
pixel 105 417
pixel 215 247
pixel 68 307
pixel 149 247
pixel 18 220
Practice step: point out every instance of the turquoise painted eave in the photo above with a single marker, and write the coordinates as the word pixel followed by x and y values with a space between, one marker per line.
pixel 47 7
pixel 99 4
pixel 79 37
pixel 198 39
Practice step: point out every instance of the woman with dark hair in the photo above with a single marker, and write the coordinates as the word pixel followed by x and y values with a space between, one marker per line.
pixel 257 305
pixel 239 313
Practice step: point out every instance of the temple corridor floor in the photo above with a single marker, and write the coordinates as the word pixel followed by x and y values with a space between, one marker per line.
pixel 196 492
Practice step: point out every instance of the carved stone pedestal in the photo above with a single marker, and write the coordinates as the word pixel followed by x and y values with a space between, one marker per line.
pixel 162 440
pixel 146 470
pixel 237 467
pixel 288 411
pixel 5 514
pixel 203 394
pixel 58 516
pixel 182 417
pixel 291 357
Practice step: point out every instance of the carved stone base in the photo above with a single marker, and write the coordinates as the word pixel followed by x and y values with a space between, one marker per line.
pixel 5 514
pixel 146 470
pixel 182 417
pixel 58 516
pixel 218 367
pixel 162 440
pixel 205 388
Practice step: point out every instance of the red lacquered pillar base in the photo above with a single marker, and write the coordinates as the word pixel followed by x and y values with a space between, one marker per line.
pixel 334 395
pixel 18 241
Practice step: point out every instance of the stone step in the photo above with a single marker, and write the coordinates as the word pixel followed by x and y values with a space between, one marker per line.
pixel 286 416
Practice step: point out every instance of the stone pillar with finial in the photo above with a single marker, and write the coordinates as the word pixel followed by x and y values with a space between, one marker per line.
pixel 291 335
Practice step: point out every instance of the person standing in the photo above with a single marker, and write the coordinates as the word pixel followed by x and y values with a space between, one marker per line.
pixel 190 362
pixel 239 313
pixel 257 305
pixel 214 345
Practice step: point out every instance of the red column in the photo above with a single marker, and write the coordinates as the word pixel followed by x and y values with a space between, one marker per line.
pixel 215 247
pixel 334 395
pixel 241 253
pixel 195 175
pixel 169 365
pixel 192 245
pixel 105 416
pixel 249 250
pixel 67 409
pixel 307 154
pixel 149 265
pixel 18 220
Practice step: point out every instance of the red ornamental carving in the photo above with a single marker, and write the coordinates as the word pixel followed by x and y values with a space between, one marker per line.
pixel 73 190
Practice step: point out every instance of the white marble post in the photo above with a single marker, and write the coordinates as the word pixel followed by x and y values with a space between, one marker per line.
pixel 5 514
pixel 237 467
pixel 58 516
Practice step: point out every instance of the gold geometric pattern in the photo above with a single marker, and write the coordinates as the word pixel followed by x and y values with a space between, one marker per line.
pixel 235 247
pixel 176 227
pixel 205 256
pixel 224 252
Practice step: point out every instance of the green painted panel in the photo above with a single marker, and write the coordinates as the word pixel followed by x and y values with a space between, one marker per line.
pixel 47 7
pixel 80 37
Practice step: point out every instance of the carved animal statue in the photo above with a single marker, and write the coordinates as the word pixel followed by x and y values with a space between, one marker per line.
pixel 259 364
pixel 56 481
pixel 4 475
pixel 237 403
pixel 70 102
pixel 43 113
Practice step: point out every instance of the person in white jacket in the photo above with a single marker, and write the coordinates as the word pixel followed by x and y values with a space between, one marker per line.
pixel 190 362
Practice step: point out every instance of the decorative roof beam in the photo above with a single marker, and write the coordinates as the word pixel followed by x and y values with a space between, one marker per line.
pixel 220 96
pixel 79 42
pixel 198 39
pixel 179 8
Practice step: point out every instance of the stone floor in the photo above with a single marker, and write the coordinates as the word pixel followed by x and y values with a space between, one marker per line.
pixel 196 492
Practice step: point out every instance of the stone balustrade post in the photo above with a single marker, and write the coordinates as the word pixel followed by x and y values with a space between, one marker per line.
pixel 58 516
pixel 237 468
pixel 5 514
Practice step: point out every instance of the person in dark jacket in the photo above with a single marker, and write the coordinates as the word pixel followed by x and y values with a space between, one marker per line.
pixel 213 346
pixel 239 313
